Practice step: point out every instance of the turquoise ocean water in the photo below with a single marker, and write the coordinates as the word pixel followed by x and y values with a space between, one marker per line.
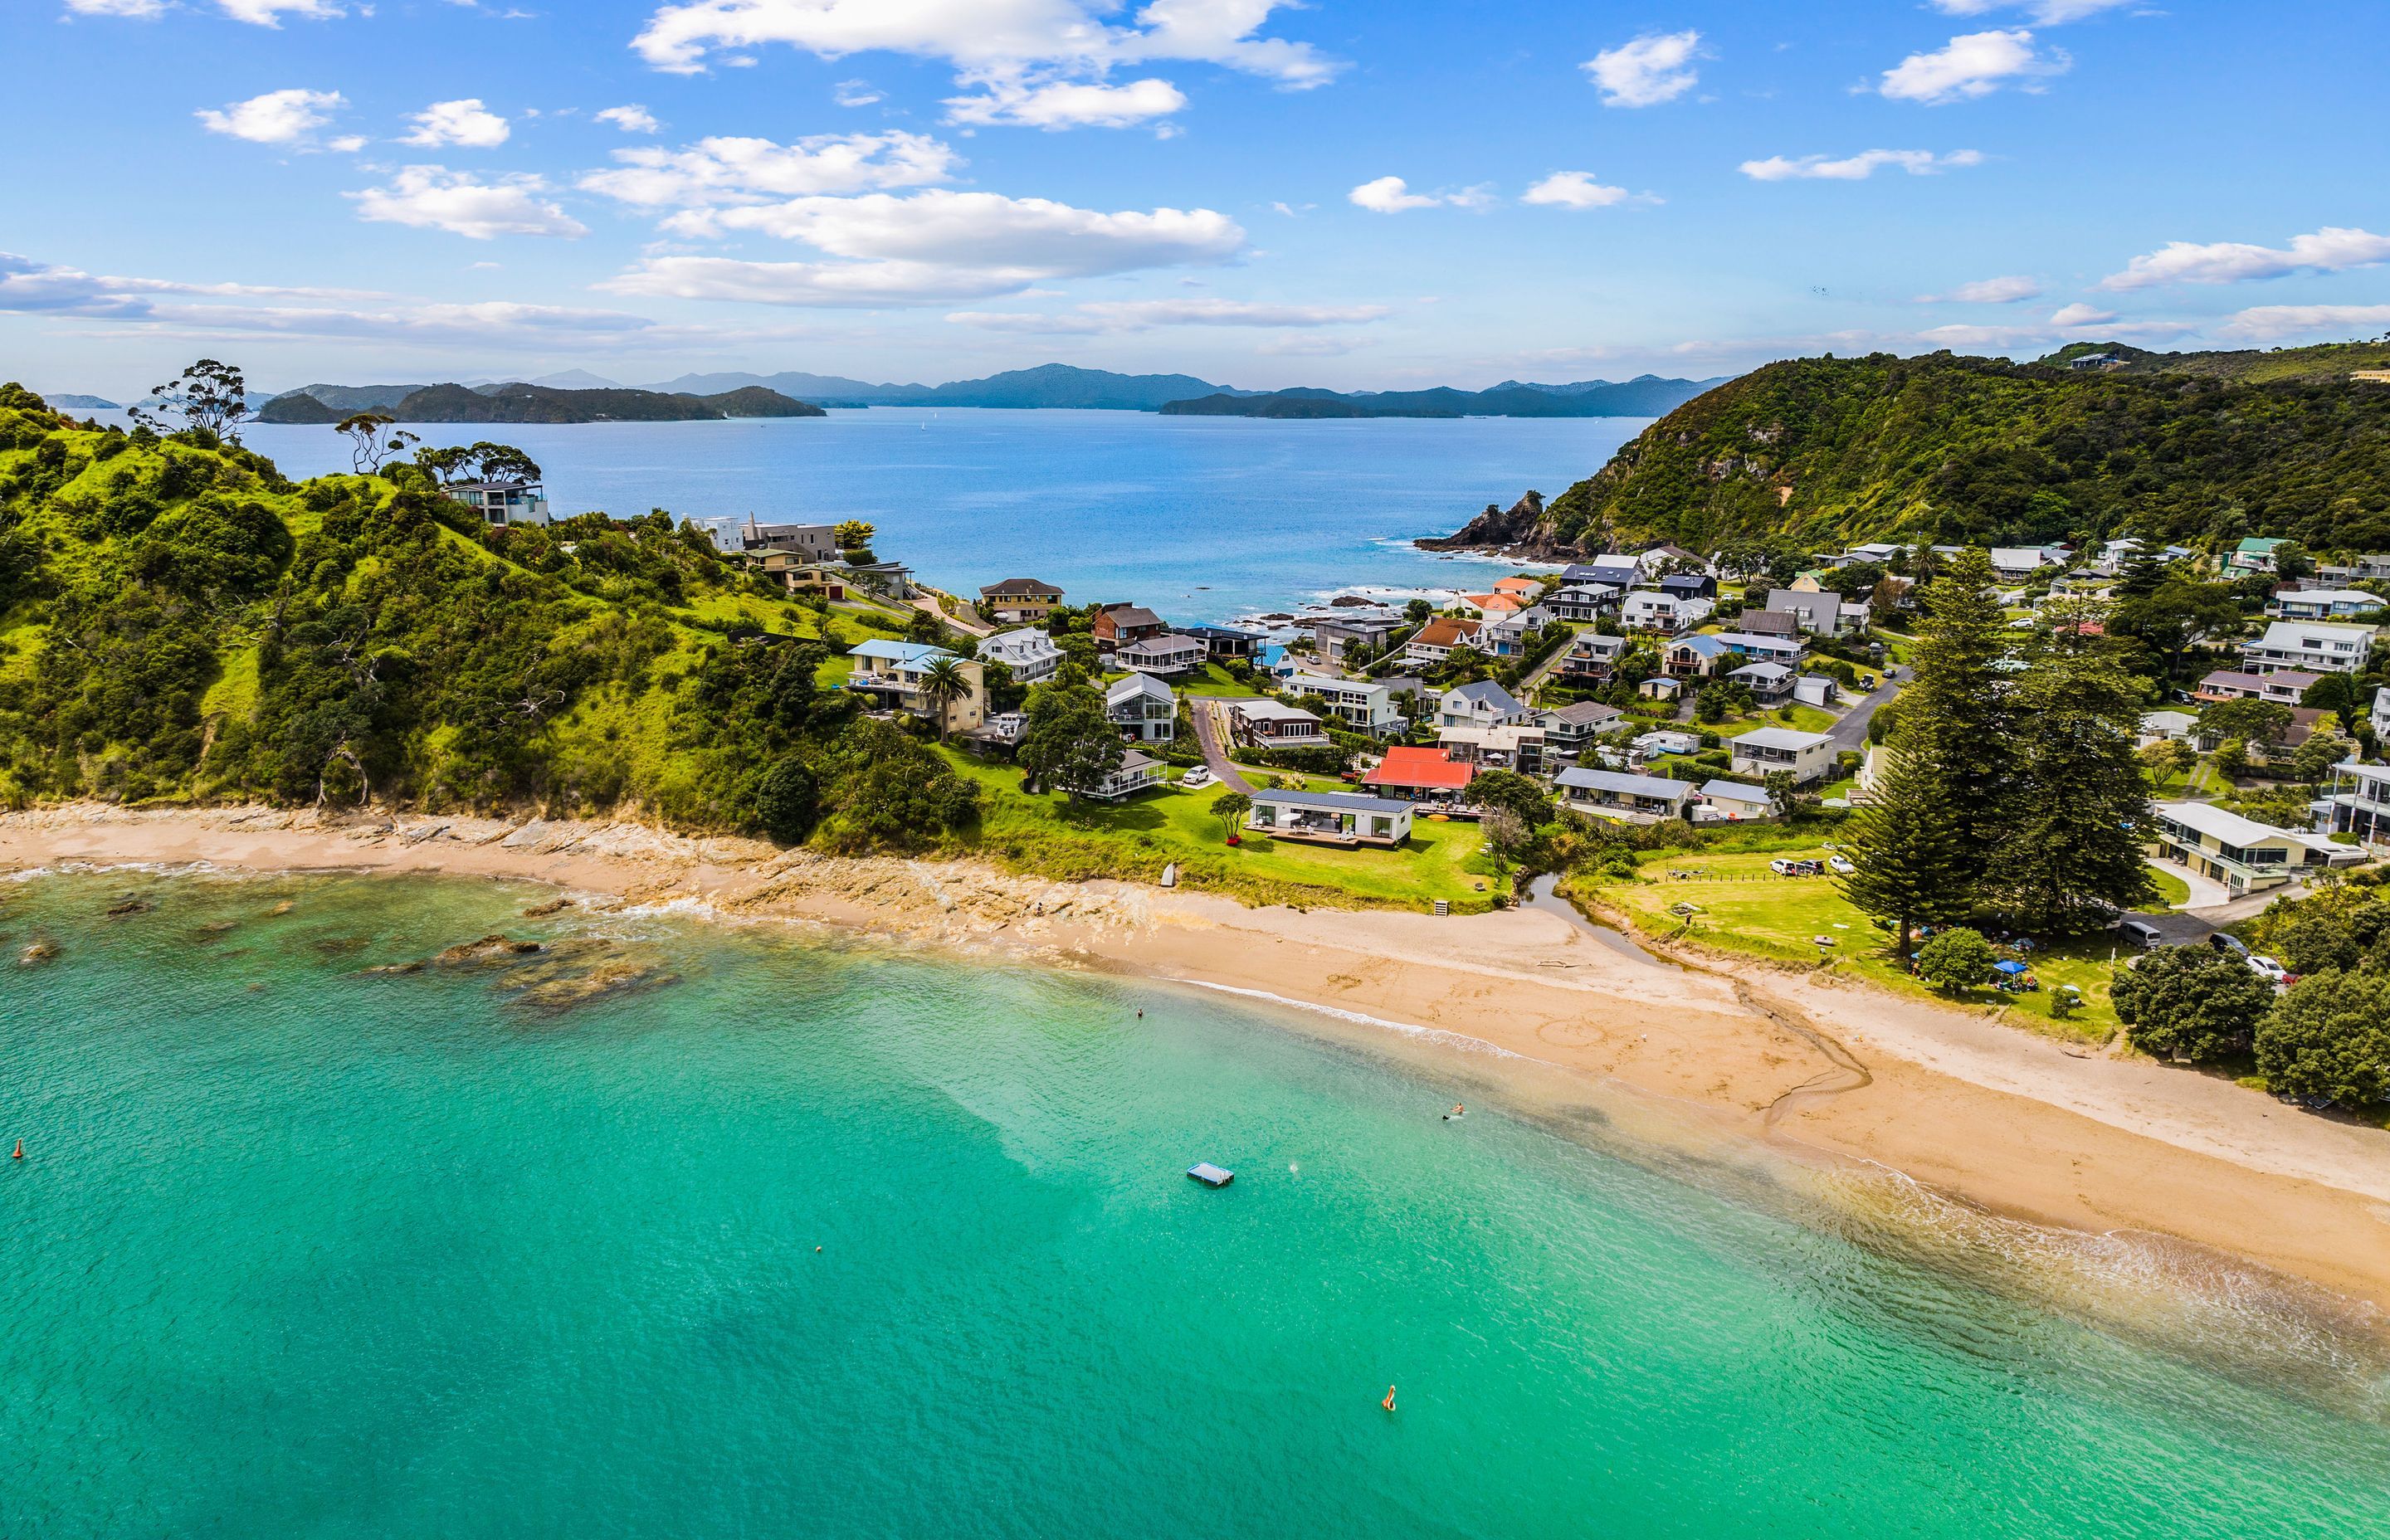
pixel 1201 517
pixel 832 1240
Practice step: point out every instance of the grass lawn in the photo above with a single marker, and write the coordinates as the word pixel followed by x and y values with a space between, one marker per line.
pixel 1048 835
pixel 1212 679
pixel 1739 905
pixel 2172 889
pixel 1805 719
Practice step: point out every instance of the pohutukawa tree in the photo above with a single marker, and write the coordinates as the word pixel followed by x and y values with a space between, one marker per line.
pixel 208 395
pixel 368 447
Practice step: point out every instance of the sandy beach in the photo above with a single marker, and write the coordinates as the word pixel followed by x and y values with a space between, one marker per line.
pixel 1997 1117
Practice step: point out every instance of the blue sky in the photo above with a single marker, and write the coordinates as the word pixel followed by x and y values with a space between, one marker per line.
pixel 1357 195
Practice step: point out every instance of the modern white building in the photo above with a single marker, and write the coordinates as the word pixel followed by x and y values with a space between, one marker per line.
pixel 2244 854
pixel 1362 703
pixel 2321 604
pixel 1807 755
pixel 1650 610
pixel 1329 817
pixel 1143 708
pixel 1138 772
pixel 2311 645
pixel 1030 655
pixel 502 503
pixel 1624 798
pixel 1483 704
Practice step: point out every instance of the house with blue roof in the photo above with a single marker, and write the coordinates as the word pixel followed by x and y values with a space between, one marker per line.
pixel 1694 656
pixel 894 674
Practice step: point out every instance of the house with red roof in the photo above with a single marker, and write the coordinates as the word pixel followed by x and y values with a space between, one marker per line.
pixel 1420 776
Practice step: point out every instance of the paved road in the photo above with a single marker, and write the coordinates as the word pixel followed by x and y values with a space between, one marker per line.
pixel 1205 710
pixel 1850 733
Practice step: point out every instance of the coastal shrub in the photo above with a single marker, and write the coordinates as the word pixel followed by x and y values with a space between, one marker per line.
pixel 2329 1040
pixel 2193 1005
pixel 1956 960
pixel 786 801
pixel 1321 761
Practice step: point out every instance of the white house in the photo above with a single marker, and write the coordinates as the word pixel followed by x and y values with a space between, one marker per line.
pixel 2244 854
pixel 2321 604
pixel 1436 641
pixel 2310 645
pixel 1807 755
pixel 895 673
pixel 1266 724
pixel 1650 746
pixel 1769 683
pixel 1030 655
pixel 502 502
pixel 1516 636
pixel 1483 704
pixel 1819 612
pixel 1732 801
pixel 1583 601
pixel 1786 651
pixel 1363 703
pixel 2164 727
pixel 1142 708
pixel 1650 610
pixel 1329 817
pixel 1624 798
pixel 1592 656
pixel 1138 772
pixel 1169 654
pixel 2016 561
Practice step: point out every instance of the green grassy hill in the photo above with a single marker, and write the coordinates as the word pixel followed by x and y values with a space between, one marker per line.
pixel 179 622
pixel 1822 451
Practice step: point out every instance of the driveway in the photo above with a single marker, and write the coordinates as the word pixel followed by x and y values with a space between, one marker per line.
pixel 1850 733
pixel 1207 711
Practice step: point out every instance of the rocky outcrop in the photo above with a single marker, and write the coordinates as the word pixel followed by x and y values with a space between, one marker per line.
pixel 1519 531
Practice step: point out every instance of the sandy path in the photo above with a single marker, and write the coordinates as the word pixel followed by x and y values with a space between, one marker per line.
pixel 1995 1115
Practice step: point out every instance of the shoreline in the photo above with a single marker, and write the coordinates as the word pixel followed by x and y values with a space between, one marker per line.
pixel 1989 1116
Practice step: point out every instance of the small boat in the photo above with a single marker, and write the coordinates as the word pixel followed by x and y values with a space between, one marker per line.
pixel 1210 1174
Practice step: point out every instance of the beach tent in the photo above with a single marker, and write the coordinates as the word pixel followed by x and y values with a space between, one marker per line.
pixel 2010 968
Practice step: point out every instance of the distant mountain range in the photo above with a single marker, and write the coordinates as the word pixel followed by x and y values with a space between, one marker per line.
pixel 1063 385
pixel 1644 396
pixel 518 401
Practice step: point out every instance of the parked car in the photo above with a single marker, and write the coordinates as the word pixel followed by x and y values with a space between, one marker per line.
pixel 2267 967
pixel 2141 933
pixel 1197 779
pixel 1784 867
pixel 1842 865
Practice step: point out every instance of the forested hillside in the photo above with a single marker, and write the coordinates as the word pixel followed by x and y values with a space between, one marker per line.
pixel 1825 451
pixel 179 622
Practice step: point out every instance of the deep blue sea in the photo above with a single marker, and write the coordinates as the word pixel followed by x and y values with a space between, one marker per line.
pixel 1202 518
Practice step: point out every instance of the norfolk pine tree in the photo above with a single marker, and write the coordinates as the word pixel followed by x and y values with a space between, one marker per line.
pixel 1954 715
pixel 1904 843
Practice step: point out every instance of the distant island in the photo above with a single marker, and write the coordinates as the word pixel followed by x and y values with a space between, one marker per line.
pixel 86 403
pixel 1644 396
pixel 517 402
pixel 1049 386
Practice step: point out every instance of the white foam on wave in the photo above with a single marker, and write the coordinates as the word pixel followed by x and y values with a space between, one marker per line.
pixel 1411 543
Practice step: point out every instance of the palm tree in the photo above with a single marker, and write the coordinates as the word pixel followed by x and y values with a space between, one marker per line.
pixel 944 683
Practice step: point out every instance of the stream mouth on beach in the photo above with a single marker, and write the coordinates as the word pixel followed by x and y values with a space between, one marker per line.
pixel 303 1245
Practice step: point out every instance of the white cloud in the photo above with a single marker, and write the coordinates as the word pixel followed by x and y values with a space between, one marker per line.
pixel 1856 168
pixel 144 9
pixel 854 92
pixel 1998 338
pixel 1577 189
pixel 275 118
pixel 2044 13
pixel 1974 65
pixel 930 247
pixel 1066 104
pixel 2271 323
pixel 463 122
pixel 2081 315
pixel 1646 71
pixel 1391 195
pixel 1988 291
pixel 747 171
pixel 2330 250
pixel 436 199
pixel 347 144
pixel 1065 35
pixel 1120 315
pixel 631 117
pixel 263 13
pixel 27 286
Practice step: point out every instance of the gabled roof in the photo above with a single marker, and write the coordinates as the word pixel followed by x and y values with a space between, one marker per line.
pixel 1135 684
pixel 1429 767
pixel 1827 600
pixel 1486 692
pixel 1021 637
pixel 2258 545
pixel 1261 707
pixel 1585 713
pixel 1762 670
pixel 1132 615
pixel 2287 633
pixel 1168 642
pixel 1020 588
pixel 1448 631
pixel 1735 792
pixel 1708 646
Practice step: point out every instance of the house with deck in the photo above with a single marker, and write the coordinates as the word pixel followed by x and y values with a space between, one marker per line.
pixel 1519 634
pixel 1021 601
pixel 2014 563
pixel 1502 746
pixel 802 574
pixel 1650 610
pixel 1483 704
pixel 1569 729
pixel 1224 642
pixel 1415 774
pixel 2358 802
pixel 1139 771
pixel 2311 646
pixel 894 674
pixel 2250 557
pixel 1621 573
pixel 1333 640
pixel 1439 638
pixel 1690 585
pixel 1820 614
pixel 1694 657
pixel 502 503
pixel 2244 854
pixel 1591 658
pixel 1168 656
pixel 1266 724
pixel 1622 797
pixel 1032 655
pixel 1760 646
pixel 2320 604
pixel 1330 819
pixel 1769 683
pixel 812 542
pixel 1367 704
pixel 1143 708
pixel 2284 686
pixel 1808 755
pixel 1584 602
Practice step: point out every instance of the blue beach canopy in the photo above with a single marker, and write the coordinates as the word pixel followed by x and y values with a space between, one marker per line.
pixel 2010 967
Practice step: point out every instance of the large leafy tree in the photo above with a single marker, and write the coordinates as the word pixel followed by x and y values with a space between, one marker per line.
pixel 1905 849
pixel 2076 802
pixel 2329 1039
pixel 1956 960
pixel 1070 744
pixel 2190 1003
pixel 210 396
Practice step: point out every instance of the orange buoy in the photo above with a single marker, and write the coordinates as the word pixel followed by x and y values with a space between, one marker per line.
pixel 1389 1402
pixel 21 1152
